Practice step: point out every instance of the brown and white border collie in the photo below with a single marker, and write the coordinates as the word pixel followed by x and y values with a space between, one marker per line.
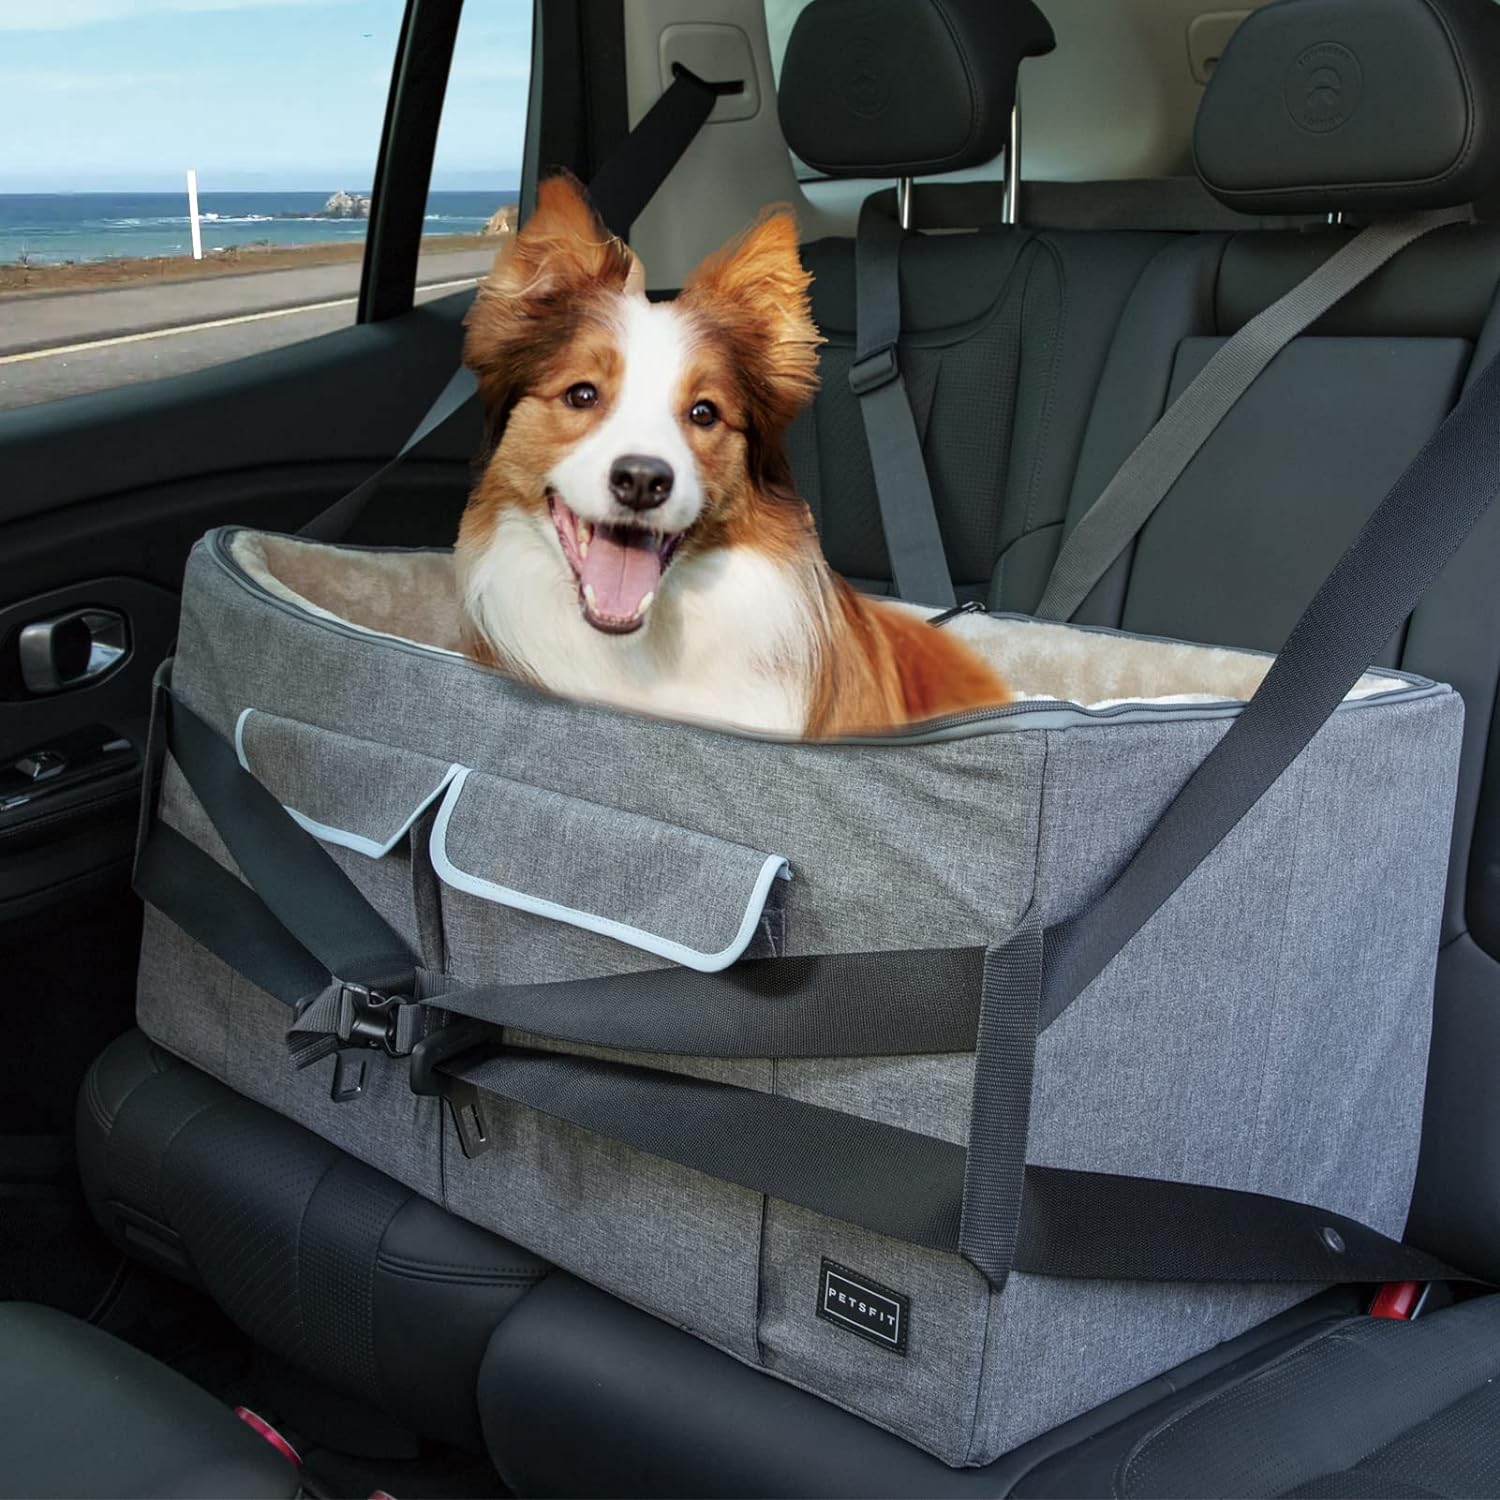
pixel 634 537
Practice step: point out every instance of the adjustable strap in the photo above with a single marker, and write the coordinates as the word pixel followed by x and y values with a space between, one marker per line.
pixel 1084 1225
pixel 908 516
pixel 298 881
pixel 623 186
pixel 1115 519
pixel 912 1002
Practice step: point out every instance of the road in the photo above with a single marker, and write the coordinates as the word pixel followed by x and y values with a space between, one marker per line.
pixel 67 343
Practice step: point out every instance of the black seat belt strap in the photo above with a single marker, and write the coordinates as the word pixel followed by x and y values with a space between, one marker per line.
pixel 908 515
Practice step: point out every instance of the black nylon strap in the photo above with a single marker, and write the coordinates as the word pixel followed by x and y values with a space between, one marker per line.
pixel 300 885
pixel 834 1005
pixel 628 181
pixel 908 516
pixel 894 1182
pixel 889 1180
pixel 334 523
pixel 1092 1225
pixel 225 916
pixel 1000 1105
pixel 624 185
pixel 1377 583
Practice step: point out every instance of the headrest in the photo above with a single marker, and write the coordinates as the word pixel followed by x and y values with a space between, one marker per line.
pixel 905 88
pixel 1364 106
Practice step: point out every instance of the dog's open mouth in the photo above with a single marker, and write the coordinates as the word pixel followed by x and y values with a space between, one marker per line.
pixel 618 568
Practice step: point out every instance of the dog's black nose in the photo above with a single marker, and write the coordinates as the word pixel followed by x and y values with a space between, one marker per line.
pixel 641 483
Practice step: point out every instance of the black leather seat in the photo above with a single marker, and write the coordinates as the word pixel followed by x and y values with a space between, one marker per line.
pixel 83 1414
pixel 320 1259
pixel 1004 329
pixel 1323 1401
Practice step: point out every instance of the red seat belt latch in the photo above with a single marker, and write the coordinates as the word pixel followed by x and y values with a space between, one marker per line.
pixel 1397 1299
pixel 269 1433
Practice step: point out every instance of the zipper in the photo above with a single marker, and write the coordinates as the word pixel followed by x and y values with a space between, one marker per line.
pixel 909 734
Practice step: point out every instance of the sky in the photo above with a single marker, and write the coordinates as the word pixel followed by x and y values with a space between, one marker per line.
pixel 124 95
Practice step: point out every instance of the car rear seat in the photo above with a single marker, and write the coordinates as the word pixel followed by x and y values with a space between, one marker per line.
pixel 322 1260
pixel 1004 329
pixel 1015 330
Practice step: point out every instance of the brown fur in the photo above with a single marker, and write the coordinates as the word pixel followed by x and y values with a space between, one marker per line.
pixel 538 326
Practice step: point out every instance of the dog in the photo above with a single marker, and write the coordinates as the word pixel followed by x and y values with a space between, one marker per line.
pixel 633 536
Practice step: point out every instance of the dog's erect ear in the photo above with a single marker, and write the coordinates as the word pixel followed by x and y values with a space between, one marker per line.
pixel 755 289
pixel 539 279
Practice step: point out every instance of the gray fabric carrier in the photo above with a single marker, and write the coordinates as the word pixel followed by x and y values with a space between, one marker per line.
pixel 1267 1030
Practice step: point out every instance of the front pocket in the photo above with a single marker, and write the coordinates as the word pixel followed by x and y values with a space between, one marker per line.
pixel 562 888
pixel 355 794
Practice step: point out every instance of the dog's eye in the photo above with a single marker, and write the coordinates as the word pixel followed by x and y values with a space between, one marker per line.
pixel 582 395
pixel 703 414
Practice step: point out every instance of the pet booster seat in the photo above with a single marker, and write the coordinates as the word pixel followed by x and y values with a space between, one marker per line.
pixel 821 1051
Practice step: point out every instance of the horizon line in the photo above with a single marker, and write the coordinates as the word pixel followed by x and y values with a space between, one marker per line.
pixel 496 187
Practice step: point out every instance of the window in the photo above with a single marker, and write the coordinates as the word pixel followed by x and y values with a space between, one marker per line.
pixel 277 107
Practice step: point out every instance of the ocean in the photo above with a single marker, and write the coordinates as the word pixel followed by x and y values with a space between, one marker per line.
pixel 49 228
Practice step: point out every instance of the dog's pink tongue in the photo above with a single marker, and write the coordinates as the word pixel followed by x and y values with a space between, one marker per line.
pixel 620 570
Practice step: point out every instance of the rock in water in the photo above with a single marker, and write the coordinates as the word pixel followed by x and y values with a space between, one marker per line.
pixel 502 221
pixel 346 205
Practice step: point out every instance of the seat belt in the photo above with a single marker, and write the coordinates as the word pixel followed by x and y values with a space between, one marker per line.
pixel 983 1201
pixel 1128 501
pixel 908 516
pixel 619 192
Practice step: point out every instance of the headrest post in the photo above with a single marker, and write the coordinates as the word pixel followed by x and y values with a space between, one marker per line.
pixel 1335 217
pixel 1011 210
pixel 903 201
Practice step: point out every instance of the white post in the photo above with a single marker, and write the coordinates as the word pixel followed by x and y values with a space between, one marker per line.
pixel 192 179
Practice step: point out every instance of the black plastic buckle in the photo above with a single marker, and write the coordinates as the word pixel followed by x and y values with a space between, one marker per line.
pixel 461 1098
pixel 372 1027
pixel 374 1020
pixel 874 370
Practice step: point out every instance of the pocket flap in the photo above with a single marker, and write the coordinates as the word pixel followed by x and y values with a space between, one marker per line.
pixel 683 896
pixel 355 793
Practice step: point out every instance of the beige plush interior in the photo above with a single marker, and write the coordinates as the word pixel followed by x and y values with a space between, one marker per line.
pixel 411 596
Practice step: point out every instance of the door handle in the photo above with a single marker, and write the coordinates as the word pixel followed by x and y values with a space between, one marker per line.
pixel 72 650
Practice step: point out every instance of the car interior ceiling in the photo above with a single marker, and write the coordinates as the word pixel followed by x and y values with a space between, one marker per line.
pixel 166 1232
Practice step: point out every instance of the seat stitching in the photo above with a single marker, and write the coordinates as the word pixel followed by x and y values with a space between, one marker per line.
pixel 1121 1476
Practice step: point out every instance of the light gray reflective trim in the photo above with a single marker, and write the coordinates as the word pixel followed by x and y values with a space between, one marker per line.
pixel 775 867
pixel 342 836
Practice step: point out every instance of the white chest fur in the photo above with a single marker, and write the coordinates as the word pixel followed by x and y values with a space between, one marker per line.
pixel 728 639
